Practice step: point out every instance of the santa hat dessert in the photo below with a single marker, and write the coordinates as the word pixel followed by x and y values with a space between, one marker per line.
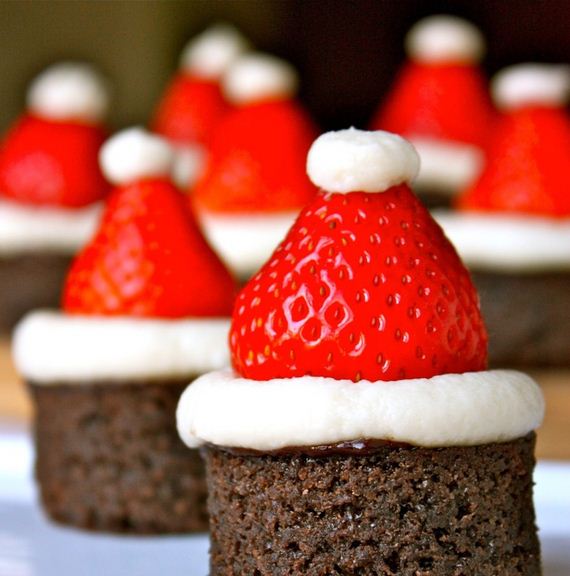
pixel 255 182
pixel 440 103
pixel 146 308
pixel 359 430
pixel 193 103
pixel 50 186
pixel 513 224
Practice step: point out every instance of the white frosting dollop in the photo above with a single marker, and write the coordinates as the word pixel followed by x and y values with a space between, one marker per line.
pixel 507 242
pixel 69 91
pixel 256 77
pixel 51 347
pixel 25 229
pixel 449 410
pixel 209 54
pixel 361 161
pixel 189 164
pixel 528 84
pixel 446 166
pixel 245 242
pixel 443 38
pixel 134 154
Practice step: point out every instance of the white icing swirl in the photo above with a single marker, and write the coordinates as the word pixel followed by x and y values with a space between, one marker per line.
pixel 445 39
pixel 446 166
pixel 361 161
pixel 256 77
pixel 134 154
pixel 449 410
pixel 246 241
pixel 25 229
pixel 51 347
pixel 69 91
pixel 189 163
pixel 507 242
pixel 528 84
pixel 209 54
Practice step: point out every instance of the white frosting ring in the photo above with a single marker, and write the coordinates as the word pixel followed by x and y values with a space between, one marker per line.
pixel 447 166
pixel 53 348
pixel 449 410
pixel 134 154
pixel 246 241
pixel 361 161
pixel 209 54
pixel 508 243
pixel 255 77
pixel 444 39
pixel 69 91
pixel 527 84
pixel 25 229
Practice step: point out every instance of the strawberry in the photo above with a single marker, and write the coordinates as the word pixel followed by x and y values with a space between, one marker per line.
pixel 443 101
pixel 148 259
pixel 364 286
pixel 529 156
pixel 190 110
pixel 52 163
pixel 257 160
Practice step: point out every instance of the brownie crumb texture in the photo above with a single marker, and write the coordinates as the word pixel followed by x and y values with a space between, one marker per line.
pixel 109 458
pixel 28 282
pixel 459 511
pixel 527 317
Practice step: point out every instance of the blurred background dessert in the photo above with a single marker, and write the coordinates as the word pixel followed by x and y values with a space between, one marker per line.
pixel 51 187
pixel 439 102
pixel 254 181
pixel 512 225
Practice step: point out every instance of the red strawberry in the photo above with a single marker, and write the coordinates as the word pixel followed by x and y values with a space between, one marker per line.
pixel 443 101
pixel 364 286
pixel 190 110
pixel 46 162
pixel 148 259
pixel 257 160
pixel 527 168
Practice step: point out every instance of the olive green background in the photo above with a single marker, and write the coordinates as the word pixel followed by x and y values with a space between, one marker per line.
pixel 347 51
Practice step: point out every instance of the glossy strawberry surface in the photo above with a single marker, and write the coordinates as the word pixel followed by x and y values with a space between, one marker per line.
pixel 190 110
pixel 148 259
pixel 257 160
pixel 364 286
pixel 443 101
pixel 527 169
pixel 49 163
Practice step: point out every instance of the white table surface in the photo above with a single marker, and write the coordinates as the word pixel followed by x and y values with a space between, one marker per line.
pixel 31 546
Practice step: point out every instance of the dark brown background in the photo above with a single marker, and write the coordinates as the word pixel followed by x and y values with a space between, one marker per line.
pixel 347 51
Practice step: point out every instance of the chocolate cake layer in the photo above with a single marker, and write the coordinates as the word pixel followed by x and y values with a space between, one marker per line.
pixel 405 511
pixel 29 281
pixel 433 198
pixel 109 458
pixel 527 317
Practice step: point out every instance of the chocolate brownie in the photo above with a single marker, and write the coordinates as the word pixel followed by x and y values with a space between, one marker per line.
pixel 527 317
pixel 396 510
pixel 29 281
pixel 109 458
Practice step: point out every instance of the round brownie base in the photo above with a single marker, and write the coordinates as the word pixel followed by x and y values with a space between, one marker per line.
pixel 30 281
pixel 109 458
pixel 527 318
pixel 398 510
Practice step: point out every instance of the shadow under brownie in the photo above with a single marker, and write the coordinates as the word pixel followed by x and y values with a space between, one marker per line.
pixel 109 458
pixel 395 510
